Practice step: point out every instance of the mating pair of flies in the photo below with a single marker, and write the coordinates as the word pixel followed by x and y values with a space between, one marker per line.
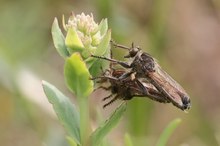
pixel 143 77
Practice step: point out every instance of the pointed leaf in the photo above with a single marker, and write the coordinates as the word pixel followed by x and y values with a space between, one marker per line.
pixel 167 132
pixel 77 76
pixel 104 46
pixel 71 141
pixel 127 140
pixel 103 49
pixel 103 26
pixel 98 135
pixel 63 22
pixel 58 39
pixel 73 41
pixel 65 110
pixel 97 65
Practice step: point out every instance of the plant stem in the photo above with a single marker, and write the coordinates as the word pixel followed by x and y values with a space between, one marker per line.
pixel 165 135
pixel 84 119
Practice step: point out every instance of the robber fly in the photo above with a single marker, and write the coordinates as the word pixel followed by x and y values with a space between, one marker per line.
pixel 127 88
pixel 145 66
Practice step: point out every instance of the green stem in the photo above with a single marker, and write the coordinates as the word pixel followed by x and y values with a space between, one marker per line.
pixel 167 132
pixel 84 119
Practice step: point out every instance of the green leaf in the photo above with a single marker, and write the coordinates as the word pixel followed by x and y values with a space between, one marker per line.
pixel 58 39
pixel 104 45
pixel 77 76
pixel 73 41
pixel 167 132
pixel 63 22
pixel 71 141
pixel 127 139
pixel 103 27
pixel 103 49
pixel 106 127
pixel 65 110
pixel 97 66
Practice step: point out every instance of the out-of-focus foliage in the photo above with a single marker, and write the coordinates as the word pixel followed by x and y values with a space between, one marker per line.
pixel 66 112
pixel 98 135
pixel 182 35
pixel 162 141
pixel 23 30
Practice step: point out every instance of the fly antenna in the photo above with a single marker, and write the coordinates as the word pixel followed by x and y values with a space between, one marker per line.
pixel 119 46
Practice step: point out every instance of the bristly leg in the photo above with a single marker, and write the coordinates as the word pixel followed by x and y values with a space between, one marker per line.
pixel 124 64
pixel 111 101
pixel 118 45
pixel 107 97
pixel 104 88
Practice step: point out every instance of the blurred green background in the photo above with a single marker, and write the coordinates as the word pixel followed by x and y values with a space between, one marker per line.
pixel 182 35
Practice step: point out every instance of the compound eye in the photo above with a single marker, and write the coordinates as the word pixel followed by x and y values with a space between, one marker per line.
pixel 186 103
pixel 133 52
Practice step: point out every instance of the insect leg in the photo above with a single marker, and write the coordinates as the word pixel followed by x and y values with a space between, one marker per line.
pixel 104 88
pixel 124 64
pixel 111 101
pixel 94 78
pixel 125 75
pixel 119 46
pixel 142 87
pixel 107 97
